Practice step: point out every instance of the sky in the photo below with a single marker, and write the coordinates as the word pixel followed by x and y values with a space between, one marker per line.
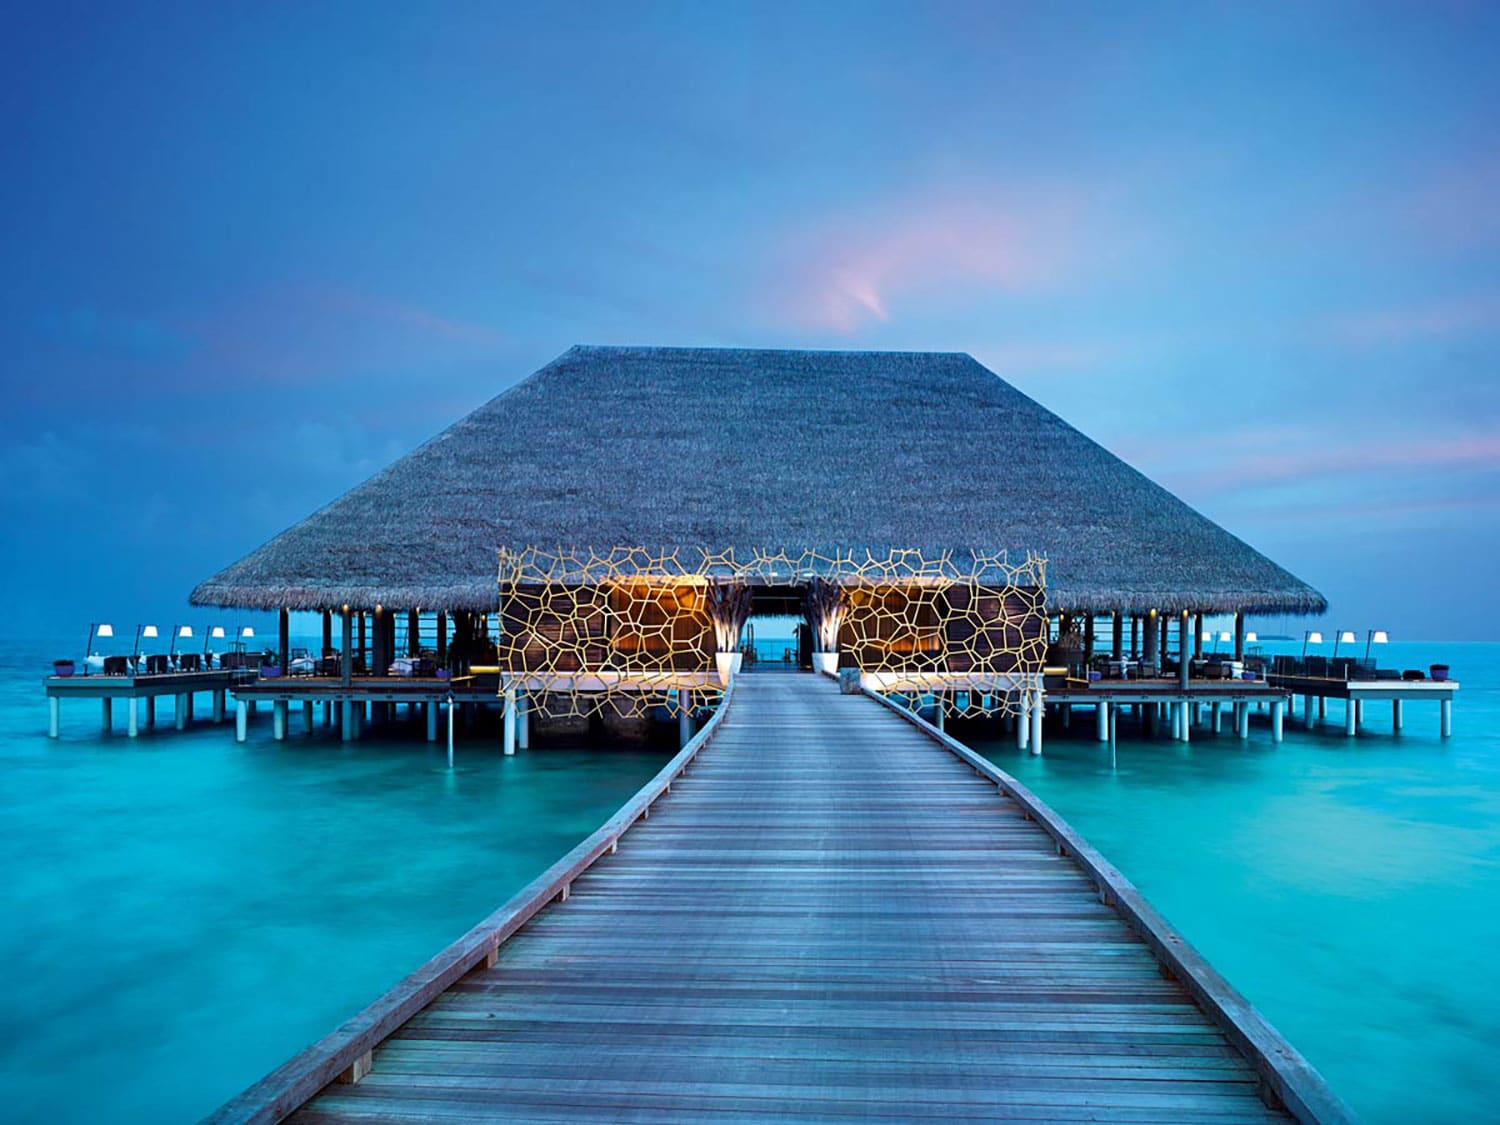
pixel 254 252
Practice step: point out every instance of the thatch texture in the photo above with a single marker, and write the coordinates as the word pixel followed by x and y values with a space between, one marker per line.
pixel 758 449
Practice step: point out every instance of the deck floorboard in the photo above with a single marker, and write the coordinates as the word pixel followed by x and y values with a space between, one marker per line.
pixel 825 920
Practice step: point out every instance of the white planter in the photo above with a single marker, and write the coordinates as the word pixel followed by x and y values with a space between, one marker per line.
pixel 729 664
pixel 826 662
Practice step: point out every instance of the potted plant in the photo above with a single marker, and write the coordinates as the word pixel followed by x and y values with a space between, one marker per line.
pixel 1438 671
pixel 63 667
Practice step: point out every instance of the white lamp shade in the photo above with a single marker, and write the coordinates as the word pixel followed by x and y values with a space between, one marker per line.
pixel 1207 636
pixel 1314 638
pixel 148 630
pixel 1252 637
pixel 217 632
pixel 185 631
pixel 1346 637
pixel 1225 637
pixel 105 631
pixel 247 631
pixel 1380 637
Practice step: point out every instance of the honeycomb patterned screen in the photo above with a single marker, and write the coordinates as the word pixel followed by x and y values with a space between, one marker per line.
pixel 627 630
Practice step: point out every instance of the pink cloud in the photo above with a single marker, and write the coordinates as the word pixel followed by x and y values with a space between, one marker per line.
pixel 849 270
pixel 1431 320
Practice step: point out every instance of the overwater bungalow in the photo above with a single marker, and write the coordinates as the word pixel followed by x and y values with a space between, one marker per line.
pixel 597 536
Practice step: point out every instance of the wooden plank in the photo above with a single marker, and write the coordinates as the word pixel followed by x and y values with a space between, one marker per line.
pixel 824 919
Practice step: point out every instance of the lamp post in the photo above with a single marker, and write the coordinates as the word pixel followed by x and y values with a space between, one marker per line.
pixel 99 630
pixel 142 631
pixel 1342 636
pixel 1311 637
pixel 1375 637
pixel 247 633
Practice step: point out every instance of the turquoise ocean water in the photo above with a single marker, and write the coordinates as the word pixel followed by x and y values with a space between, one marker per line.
pixel 179 914
pixel 1349 888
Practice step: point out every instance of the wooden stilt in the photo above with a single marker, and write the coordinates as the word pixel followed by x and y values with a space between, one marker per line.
pixel 1101 719
pixel 1395 715
pixel 432 714
pixel 1351 724
pixel 684 717
pixel 509 733
pixel 1277 709
pixel 1023 722
pixel 106 715
pixel 523 721
pixel 218 712
pixel 1446 718
pixel 1038 711
pixel 54 716
pixel 1242 720
pixel 241 720
pixel 307 717
pixel 134 727
pixel 179 711
pixel 278 720
pixel 1307 711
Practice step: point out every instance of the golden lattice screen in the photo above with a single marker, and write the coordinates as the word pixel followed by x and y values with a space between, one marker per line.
pixel 628 629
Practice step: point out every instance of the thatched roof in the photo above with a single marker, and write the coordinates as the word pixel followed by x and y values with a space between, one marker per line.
pixel 791 450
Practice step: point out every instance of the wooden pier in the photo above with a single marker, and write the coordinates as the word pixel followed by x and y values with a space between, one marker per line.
pixel 136 690
pixel 1183 703
pixel 822 908
pixel 1354 694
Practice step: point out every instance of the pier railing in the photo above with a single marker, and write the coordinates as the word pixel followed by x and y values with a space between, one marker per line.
pixel 1287 1079
pixel 345 1055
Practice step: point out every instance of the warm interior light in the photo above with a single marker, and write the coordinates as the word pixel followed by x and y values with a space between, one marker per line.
pixel 185 631
pixel 148 631
pixel 105 631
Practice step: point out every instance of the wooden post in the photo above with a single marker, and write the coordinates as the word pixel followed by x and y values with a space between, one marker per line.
pixel 179 711
pixel 938 719
pixel 362 640
pixel 450 734
pixel 1101 716
pixel 284 641
pixel 432 714
pixel 346 719
pixel 1038 711
pixel 307 716
pixel 523 721
pixel 1023 721
pixel 241 719
pixel 1307 711
pixel 346 656
pixel 1446 717
pixel 1322 708
pixel 327 632
pixel 134 727
pixel 1215 711
pixel 106 714
pixel 1239 635
pixel 54 716
pixel 1351 726
pixel 442 640
pixel 1186 721
pixel 1149 648
pixel 1184 651
pixel 1276 717
pixel 1135 635
pixel 1242 720
pixel 1088 642
pixel 1117 636
pixel 1359 713
pixel 684 716
pixel 1198 636
pixel 413 633
pixel 1395 715
pixel 509 734
pixel 278 720
pixel 218 711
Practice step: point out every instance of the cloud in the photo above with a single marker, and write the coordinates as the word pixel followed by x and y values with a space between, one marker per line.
pixel 847 270
pixel 1422 321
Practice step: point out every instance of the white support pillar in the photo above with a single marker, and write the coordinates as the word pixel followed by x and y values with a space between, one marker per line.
pixel 54 716
pixel 189 698
pixel 151 712
pixel 523 721
pixel 106 714
pixel 1242 720
pixel 1185 721
pixel 1359 713
pixel 1446 707
pixel 346 719
pixel 1307 711
pixel 1067 716
pixel 1215 714
pixel 135 717
pixel 1278 709
pixel 307 717
pixel 1101 720
pixel 218 705
pixel 1023 721
pixel 1038 712
pixel 179 711
pixel 1395 715
pixel 432 714
pixel 1322 708
pixel 278 720
pixel 509 734
pixel 1351 724
pixel 450 733
pixel 241 719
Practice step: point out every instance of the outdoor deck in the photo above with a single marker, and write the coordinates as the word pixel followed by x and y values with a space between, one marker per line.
pixel 831 916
